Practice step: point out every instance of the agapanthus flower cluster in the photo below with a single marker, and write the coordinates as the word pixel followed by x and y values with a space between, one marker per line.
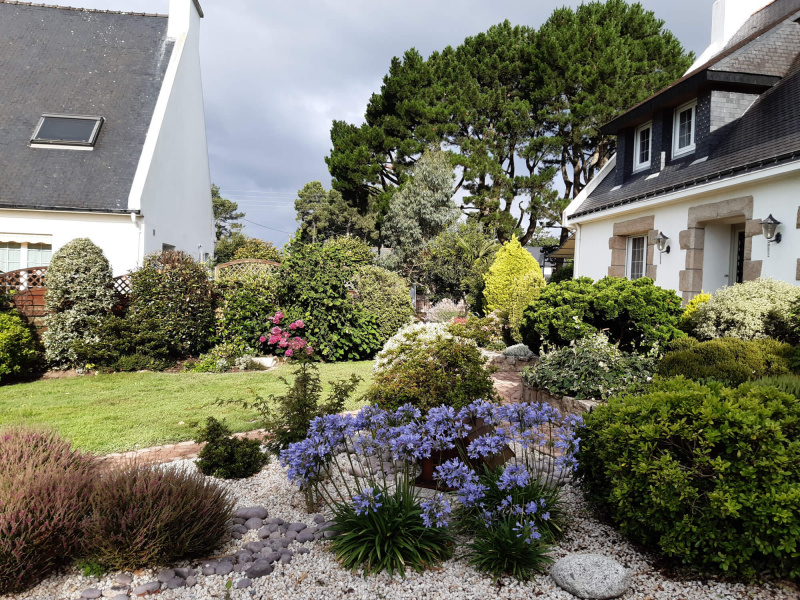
pixel 436 511
pixel 367 501
pixel 283 341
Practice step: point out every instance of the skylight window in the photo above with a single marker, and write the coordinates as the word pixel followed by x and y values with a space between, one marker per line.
pixel 67 130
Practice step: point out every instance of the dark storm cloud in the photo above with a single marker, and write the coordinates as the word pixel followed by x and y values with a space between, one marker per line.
pixel 275 74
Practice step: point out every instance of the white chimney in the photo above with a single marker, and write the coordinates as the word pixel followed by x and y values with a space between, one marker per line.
pixel 727 17
pixel 182 13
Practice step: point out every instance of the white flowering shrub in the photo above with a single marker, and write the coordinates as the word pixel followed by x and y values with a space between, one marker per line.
pixel 751 310
pixel 444 311
pixel 408 338
pixel 518 351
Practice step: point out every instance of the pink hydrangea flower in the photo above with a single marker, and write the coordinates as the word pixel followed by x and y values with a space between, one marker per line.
pixel 277 318
pixel 274 339
pixel 293 326
pixel 289 352
pixel 275 331
pixel 262 339
pixel 283 343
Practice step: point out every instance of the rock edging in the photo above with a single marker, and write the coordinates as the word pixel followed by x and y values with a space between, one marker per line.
pixel 565 404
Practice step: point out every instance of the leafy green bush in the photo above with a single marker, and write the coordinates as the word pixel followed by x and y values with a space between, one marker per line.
pixel 750 310
pixel 124 344
pixel 728 360
pixel 511 263
pixel 486 332
pixel 45 490
pixel 19 354
pixel 79 294
pixel 706 474
pixel 390 537
pixel 313 288
pixel 175 293
pixel 502 549
pixel 524 293
pixel 590 367
pixel 226 456
pixel 686 319
pixel 384 295
pixel 425 366
pixel 246 303
pixel 562 273
pixel 147 516
pixel 637 315
pixel 257 249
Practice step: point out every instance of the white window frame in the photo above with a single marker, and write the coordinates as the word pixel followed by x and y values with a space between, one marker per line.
pixel 629 257
pixel 641 166
pixel 676 151
pixel 24 254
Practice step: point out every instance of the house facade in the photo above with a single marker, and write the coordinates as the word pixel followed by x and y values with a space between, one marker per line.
pixel 705 167
pixel 102 133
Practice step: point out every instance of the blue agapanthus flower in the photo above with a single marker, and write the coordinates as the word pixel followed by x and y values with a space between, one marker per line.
pixel 486 445
pixel 367 501
pixel 435 512
pixel 514 476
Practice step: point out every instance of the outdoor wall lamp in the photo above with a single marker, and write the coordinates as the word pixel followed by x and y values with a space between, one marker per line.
pixel 769 228
pixel 661 244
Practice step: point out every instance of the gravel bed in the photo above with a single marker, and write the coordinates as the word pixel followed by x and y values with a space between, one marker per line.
pixel 317 576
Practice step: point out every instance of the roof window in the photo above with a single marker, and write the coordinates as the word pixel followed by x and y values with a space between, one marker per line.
pixel 67 130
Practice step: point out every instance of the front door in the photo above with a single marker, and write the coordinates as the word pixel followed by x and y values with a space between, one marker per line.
pixel 737 254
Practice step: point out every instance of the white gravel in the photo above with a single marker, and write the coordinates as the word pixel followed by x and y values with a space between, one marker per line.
pixel 317 576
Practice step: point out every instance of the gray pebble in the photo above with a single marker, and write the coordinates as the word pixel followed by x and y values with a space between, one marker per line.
pixel 305 536
pixel 272 557
pixel 253 547
pixel 238 520
pixel 121 597
pixel 259 569
pixel 302 550
pixel 183 572
pixel 254 523
pixel 123 579
pixel 236 535
pixel 224 568
pixel 240 568
pixel 245 558
pixel 286 551
pixel 319 535
pixel 191 581
pixel 264 532
pixel 176 582
pixel 319 519
pixel 165 575
pixel 243 583
pixel 239 529
pixel 148 588
pixel 286 558
pixel 252 512
pixel 208 570
pixel 275 535
pixel 328 533
pixel 291 535
pixel 297 527
pixel 91 593
pixel 272 527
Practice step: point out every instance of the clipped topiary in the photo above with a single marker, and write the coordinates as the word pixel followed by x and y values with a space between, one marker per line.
pixel 706 474
pixel 19 354
pixel 80 293
pixel 385 295
pixel 175 291
pixel 511 263
pixel 257 249
pixel 228 457
pixel 750 310
pixel 525 292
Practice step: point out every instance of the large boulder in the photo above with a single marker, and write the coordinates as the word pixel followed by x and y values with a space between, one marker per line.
pixel 591 576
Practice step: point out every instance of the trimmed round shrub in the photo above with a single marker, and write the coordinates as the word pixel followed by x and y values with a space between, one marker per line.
pixel 19 354
pixel 636 315
pixel 385 295
pixel 427 367
pixel 511 263
pixel 246 304
pixel 707 475
pixel 175 291
pixel 590 367
pixel 750 310
pixel 147 516
pixel 80 292
pixel 228 457
pixel 525 292
pixel 257 249
pixel 728 360
pixel 45 493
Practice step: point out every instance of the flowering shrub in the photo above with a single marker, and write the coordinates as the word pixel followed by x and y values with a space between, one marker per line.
pixel 285 342
pixel 486 332
pixel 444 311
pixel 750 310
pixel 45 489
pixel 590 367
pixel 362 465
pixel 19 354
pixel 706 474
pixel 425 366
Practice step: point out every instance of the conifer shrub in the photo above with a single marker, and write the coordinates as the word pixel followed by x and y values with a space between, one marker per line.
pixel 175 292
pixel 45 492
pixel 754 309
pixel 226 456
pixel 728 360
pixel 146 516
pixel 705 474
pixel 385 295
pixel 525 292
pixel 80 293
pixel 19 352
pixel 511 263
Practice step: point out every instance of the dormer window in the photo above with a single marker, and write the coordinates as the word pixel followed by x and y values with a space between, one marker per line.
pixel 67 131
pixel 642 147
pixel 684 130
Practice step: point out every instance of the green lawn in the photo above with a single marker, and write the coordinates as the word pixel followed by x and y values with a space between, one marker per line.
pixel 123 411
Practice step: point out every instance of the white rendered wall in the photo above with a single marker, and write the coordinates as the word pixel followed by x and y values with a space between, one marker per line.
pixel 777 195
pixel 117 235
pixel 173 185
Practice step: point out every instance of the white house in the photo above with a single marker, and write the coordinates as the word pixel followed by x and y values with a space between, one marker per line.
pixel 701 164
pixel 102 133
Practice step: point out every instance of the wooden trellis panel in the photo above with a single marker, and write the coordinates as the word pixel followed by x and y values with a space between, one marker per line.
pixel 237 268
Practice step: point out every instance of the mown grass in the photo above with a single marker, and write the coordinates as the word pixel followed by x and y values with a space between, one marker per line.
pixel 125 411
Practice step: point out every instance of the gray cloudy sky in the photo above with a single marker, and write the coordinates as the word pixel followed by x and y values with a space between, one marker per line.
pixel 275 74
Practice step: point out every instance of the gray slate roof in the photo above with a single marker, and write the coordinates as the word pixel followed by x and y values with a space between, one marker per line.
pixel 767 134
pixel 80 62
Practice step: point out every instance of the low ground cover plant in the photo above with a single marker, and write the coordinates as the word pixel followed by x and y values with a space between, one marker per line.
pixel 518 351
pixel 591 367
pixel 728 360
pixel 636 315
pixel 226 456
pixel 45 491
pixel 707 475
pixel 424 366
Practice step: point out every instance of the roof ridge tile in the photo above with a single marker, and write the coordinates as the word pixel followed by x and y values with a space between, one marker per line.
pixel 86 10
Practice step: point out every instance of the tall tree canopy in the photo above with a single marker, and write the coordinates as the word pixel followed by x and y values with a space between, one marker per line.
pixel 513 107
pixel 324 215
pixel 225 214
